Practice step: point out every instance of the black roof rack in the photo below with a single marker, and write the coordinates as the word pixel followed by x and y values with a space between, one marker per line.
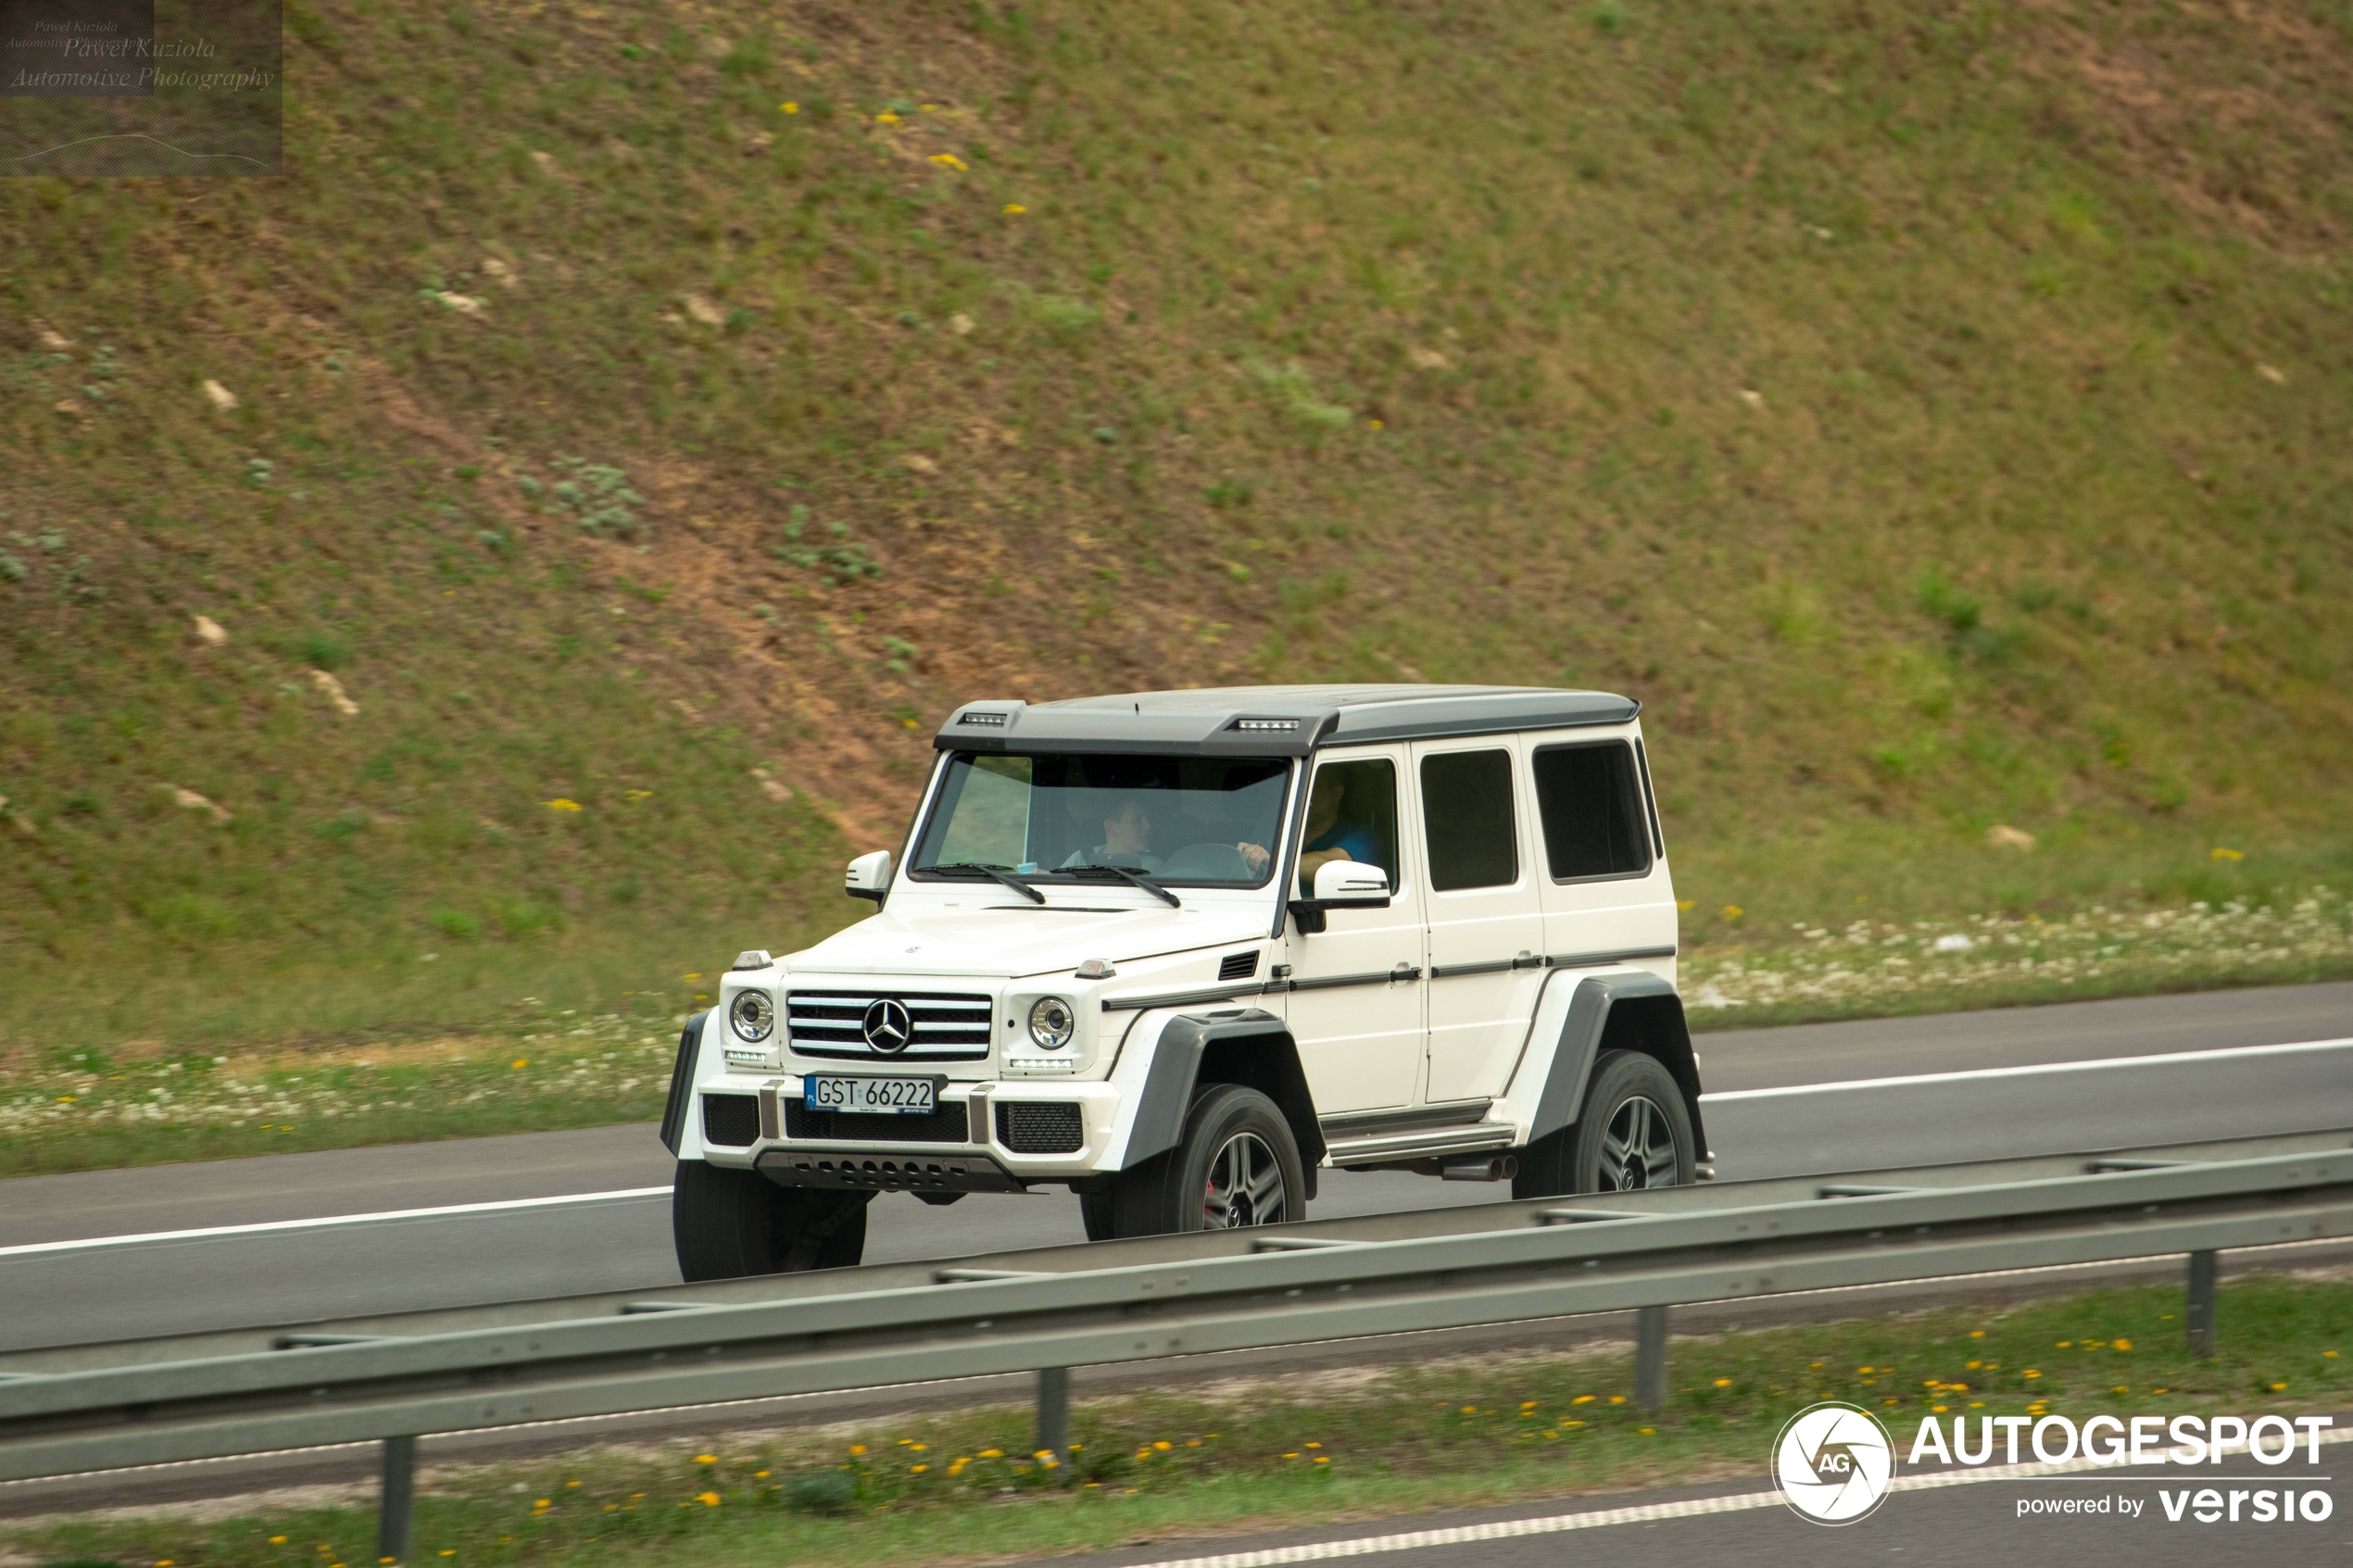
pixel 1272 720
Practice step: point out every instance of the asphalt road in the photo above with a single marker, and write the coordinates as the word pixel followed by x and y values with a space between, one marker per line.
pixel 1780 1101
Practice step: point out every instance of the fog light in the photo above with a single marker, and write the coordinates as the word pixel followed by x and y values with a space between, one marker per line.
pixel 752 1015
pixel 1052 1023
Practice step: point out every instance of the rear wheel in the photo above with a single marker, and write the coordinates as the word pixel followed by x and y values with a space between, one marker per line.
pixel 1237 1165
pixel 728 1223
pixel 1634 1132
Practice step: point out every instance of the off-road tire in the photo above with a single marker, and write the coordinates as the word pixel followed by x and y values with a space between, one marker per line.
pixel 1630 1093
pixel 1095 1212
pixel 729 1223
pixel 1189 1187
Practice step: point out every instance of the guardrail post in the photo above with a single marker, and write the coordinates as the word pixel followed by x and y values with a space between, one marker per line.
pixel 2199 1308
pixel 1650 1357
pixel 397 1507
pixel 1053 1413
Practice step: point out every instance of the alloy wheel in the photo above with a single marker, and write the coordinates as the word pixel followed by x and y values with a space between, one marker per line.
pixel 1638 1148
pixel 1245 1186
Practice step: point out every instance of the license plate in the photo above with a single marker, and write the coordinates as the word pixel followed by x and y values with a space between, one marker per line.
pixel 913 1097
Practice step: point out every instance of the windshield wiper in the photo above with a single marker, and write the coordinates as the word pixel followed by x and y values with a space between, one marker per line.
pixel 1146 884
pixel 973 867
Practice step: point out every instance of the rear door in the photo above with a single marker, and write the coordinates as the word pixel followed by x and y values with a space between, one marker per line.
pixel 1486 927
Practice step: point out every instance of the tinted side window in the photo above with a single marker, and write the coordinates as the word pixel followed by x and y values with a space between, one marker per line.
pixel 1361 801
pixel 1592 810
pixel 1466 803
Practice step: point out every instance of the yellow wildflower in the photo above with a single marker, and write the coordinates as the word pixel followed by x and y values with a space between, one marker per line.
pixel 561 804
pixel 1015 208
pixel 789 107
pixel 709 1499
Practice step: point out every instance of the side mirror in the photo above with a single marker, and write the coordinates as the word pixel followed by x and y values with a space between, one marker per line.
pixel 869 876
pixel 1342 885
pixel 1352 885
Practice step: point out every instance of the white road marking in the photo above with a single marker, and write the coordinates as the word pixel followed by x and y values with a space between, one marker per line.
pixel 2234 1053
pixel 1602 1518
pixel 326 1221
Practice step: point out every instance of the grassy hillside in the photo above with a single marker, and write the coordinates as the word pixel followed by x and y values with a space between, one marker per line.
pixel 648 421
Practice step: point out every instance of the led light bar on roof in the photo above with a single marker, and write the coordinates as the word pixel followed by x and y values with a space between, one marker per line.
pixel 994 720
pixel 1264 724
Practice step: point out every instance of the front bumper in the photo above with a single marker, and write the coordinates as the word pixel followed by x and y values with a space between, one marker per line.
pixel 991 1137
pixel 885 1170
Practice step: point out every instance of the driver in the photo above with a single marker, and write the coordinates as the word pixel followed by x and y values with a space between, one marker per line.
pixel 1328 838
pixel 1128 839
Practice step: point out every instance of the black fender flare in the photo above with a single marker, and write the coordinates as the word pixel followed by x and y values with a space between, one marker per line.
pixel 1639 1012
pixel 1249 1047
pixel 682 1081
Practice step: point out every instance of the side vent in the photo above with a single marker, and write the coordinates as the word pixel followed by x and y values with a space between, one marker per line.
pixel 1239 966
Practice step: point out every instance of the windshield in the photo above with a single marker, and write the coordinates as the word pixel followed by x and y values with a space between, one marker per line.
pixel 1202 822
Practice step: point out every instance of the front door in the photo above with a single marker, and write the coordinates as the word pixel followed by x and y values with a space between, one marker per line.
pixel 1356 1002
pixel 1486 927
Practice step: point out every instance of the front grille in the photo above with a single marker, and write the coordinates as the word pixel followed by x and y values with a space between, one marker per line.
pixel 948 1026
pixel 1040 1129
pixel 1239 966
pixel 947 1125
pixel 730 1121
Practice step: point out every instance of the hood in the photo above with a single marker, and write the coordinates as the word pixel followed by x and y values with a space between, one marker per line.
pixel 916 936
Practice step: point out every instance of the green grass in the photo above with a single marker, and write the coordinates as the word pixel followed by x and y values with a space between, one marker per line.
pixel 1934 414
pixel 81 1110
pixel 1158 1466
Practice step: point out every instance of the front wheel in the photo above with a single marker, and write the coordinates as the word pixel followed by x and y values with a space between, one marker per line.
pixel 1634 1132
pixel 1237 1165
pixel 728 1225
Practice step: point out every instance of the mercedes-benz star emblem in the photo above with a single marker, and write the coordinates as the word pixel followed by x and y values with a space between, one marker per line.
pixel 887 1026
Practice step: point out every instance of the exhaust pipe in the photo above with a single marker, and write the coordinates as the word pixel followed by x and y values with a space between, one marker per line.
pixel 1492 1168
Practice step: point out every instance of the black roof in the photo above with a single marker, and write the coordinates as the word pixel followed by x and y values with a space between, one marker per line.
pixel 1272 720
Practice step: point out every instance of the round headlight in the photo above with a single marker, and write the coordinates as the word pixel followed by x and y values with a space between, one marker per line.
pixel 1052 1023
pixel 752 1015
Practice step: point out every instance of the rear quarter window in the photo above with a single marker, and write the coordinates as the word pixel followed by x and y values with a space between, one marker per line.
pixel 1591 800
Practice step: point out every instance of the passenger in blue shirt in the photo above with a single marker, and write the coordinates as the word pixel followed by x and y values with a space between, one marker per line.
pixel 1328 838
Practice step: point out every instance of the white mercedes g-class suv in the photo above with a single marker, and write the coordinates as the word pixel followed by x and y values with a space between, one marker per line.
pixel 1179 951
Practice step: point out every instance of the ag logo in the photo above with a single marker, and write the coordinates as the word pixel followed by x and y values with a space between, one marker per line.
pixel 1832 1463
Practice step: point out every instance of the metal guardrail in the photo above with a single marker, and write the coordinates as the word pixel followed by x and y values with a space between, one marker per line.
pixel 1585 1257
